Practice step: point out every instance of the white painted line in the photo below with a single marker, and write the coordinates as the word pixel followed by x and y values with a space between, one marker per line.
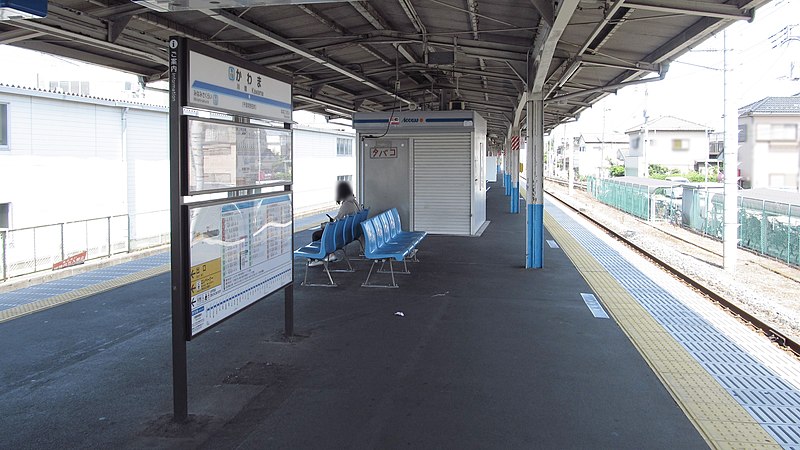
pixel 594 306
pixel 552 243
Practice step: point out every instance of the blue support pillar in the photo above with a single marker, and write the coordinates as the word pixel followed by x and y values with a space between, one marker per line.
pixel 534 237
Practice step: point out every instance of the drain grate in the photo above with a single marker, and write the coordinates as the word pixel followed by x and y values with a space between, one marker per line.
pixel 771 401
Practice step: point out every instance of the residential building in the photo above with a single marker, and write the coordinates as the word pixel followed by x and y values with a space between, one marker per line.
pixel 594 150
pixel 671 142
pixel 769 151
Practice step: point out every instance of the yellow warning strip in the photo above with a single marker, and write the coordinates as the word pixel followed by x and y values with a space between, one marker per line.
pixel 719 418
pixel 39 305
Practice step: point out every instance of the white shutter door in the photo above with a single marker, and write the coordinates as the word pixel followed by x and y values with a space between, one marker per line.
pixel 442 183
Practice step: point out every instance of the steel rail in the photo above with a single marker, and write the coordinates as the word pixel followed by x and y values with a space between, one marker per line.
pixel 774 335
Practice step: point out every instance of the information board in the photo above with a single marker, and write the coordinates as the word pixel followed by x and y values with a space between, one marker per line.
pixel 220 86
pixel 226 156
pixel 240 252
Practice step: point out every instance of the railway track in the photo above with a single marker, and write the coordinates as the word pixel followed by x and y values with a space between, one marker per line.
pixel 774 335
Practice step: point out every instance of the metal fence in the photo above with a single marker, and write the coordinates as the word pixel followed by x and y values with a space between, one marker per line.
pixel 768 228
pixel 27 250
pixel 631 198
pixel 765 227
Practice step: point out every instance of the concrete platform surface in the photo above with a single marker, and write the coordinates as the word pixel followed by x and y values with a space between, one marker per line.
pixel 487 355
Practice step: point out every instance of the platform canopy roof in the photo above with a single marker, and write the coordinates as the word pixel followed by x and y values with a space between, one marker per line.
pixel 347 56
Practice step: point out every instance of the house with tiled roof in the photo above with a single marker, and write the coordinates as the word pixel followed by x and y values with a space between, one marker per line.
pixel 769 145
pixel 669 141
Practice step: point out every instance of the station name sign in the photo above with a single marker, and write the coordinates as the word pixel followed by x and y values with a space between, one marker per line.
pixel 218 85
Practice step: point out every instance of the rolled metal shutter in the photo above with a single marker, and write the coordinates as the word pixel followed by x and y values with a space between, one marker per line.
pixel 442 183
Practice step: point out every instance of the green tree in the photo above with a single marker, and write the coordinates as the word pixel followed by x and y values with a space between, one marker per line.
pixel 695 177
pixel 657 169
pixel 616 170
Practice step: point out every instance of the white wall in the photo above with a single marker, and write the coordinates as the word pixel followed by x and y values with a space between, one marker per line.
pixel 659 150
pixel 316 166
pixel 71 159
pixel 57 167
pixel 766 163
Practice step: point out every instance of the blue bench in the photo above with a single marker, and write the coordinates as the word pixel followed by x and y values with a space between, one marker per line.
pixel 336 236
pixel 385 241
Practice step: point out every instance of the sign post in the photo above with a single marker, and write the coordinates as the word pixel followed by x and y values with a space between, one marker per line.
pixel 230 194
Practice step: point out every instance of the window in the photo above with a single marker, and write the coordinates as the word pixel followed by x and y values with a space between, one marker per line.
pixel 680 144
pixel 347 178
pixel 783 180
pixel 5 215
pixel 742 133
pixel 70 87
pixel 3 125
pixel 344 147
pixel 776 132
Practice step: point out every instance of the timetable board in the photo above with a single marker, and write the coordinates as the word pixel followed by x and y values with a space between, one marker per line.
pixel 239 253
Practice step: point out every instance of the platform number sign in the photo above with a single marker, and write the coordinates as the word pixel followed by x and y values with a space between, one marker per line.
pixel 381 153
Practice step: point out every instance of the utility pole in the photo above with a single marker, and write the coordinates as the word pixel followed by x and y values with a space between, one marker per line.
pixel 603 147
pixel 731 129
pixel 568 145
pixel 645 141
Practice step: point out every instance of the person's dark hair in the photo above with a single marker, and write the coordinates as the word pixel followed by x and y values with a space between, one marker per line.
pixel 343 190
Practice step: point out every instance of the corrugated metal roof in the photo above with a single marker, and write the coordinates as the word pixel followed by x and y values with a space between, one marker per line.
pixel 38 92
pixel 368 43
pixel 772 195
pixel 649 182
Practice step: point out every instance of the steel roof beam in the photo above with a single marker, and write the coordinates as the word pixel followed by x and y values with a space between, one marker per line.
pixel 82 55
pixel 330 23
pixel 472 6
pixel 10 37
pixel 544 47
pixel 33 25
pixel 413 17
pixel 612 12
pixel 441 86
pixel 466 48
pixel 608 88
pixel 545 10
pixel 543 54
pixel 379 23
pixel 693 8
pixel 175 28
pixel 258 31
pixel 602 61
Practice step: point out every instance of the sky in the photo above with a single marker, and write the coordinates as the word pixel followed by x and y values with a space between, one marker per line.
pixel 692 89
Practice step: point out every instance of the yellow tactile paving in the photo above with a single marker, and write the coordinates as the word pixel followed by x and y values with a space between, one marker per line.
pixel 19 311
pixel 719 418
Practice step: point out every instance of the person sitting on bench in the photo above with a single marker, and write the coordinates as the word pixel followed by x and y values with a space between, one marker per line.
pixel 347 206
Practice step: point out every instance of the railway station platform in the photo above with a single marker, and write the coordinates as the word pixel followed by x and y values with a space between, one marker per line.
pixel 486 355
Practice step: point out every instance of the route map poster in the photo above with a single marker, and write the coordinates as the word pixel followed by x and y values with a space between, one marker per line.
pixel 226 156
pixel 240 252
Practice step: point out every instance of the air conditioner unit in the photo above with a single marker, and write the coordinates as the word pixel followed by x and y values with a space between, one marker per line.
pixel 22 9
pixel 458 105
